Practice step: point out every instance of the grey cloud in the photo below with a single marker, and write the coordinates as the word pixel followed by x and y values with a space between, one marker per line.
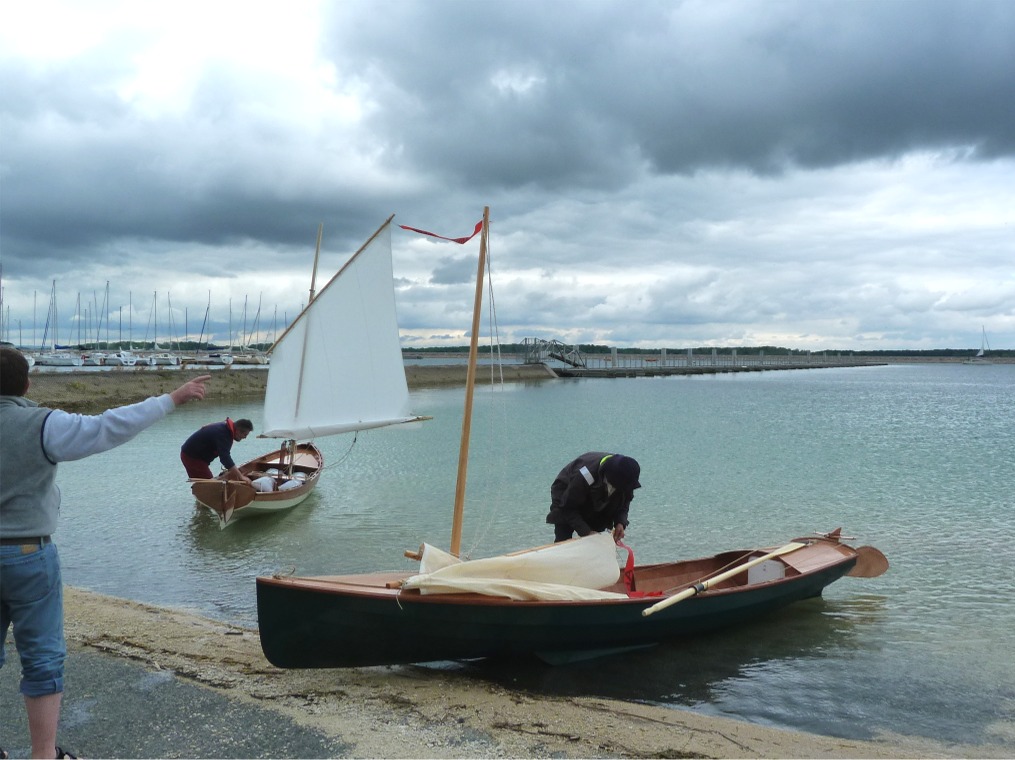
pixel 605 87
pixel 758 150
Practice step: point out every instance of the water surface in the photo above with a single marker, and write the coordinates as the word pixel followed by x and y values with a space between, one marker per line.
pixel 917 460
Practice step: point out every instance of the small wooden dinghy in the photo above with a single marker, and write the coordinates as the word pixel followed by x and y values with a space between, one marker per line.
pixel 291 472
pixel 496 609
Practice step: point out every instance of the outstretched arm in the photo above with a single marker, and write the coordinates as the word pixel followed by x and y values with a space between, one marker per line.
pixel 67 437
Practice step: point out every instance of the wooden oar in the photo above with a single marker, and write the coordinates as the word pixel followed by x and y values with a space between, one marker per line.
pixel 697 588
pixel 870 563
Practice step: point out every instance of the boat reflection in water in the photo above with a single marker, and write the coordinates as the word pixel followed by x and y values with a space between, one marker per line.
pixel 692 670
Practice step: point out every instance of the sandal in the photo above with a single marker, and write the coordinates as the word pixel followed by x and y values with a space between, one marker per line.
pixel 3 754
pixel 61 753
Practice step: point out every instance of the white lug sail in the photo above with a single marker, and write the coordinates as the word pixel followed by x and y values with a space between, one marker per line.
pixel 338 367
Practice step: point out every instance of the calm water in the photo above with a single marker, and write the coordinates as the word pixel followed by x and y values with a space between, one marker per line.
pixel 917 460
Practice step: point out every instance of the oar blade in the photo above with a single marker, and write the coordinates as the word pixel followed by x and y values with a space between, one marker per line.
pixel 870 563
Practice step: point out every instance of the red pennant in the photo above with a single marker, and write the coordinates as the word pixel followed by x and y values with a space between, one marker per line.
pixel 629 575
pixel 460 240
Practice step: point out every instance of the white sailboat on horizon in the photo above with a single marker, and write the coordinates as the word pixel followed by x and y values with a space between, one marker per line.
pixel 981 355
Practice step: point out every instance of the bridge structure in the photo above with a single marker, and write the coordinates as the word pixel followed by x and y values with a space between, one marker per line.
pixel 537 351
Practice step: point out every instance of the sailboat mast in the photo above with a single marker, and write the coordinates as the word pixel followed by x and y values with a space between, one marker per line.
pixel 470 386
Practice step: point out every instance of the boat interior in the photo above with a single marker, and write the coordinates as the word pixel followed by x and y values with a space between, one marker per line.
pixel 663 578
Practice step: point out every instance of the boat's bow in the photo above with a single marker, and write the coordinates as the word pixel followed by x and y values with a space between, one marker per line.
pixel 222 497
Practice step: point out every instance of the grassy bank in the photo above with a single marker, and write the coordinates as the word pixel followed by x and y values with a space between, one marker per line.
pixel 95 391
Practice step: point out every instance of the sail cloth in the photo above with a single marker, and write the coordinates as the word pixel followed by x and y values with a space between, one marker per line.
pixel 338 367
pixel 572 570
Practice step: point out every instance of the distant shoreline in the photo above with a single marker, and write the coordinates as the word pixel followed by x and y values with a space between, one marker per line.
pixel 92 391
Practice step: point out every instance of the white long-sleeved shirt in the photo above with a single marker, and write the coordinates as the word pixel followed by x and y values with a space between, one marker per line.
pixel 68 436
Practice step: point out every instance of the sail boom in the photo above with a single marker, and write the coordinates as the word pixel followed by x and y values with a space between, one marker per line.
pixel 321 431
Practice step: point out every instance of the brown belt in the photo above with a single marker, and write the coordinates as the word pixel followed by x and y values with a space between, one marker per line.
pixel 26 541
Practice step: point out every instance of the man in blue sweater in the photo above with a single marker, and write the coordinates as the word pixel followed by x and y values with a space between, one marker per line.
pixel 211 442
pixel 33 439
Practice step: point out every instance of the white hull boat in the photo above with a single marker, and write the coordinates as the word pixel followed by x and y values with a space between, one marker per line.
pixel 121 359
pixel 287 477
pixel 59 359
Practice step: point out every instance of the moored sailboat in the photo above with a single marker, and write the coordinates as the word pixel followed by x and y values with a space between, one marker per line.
pixel 562 602
pixel 122 358
pixel 319 384
pixel 981 355
pixel 55 356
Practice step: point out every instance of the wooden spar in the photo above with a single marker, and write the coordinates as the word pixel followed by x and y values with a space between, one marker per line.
pixel 470 385
pixel 306 332
pixel 705 585
pixel 317 256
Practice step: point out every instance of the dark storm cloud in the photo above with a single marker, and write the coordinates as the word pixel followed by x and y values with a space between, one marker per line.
pixel 558 94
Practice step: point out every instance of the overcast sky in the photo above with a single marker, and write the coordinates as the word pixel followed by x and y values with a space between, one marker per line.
pixel 816 175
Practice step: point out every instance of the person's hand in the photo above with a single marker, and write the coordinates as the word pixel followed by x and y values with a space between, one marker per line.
pixel 189 391
pixel 618 532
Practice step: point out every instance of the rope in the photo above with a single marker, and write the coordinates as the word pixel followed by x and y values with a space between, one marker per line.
pixel 344 456
pixel 497 366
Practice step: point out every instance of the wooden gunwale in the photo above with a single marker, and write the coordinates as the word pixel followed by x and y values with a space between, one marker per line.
pixel 682 575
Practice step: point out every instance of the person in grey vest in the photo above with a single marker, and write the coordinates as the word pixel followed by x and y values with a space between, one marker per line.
pixel 593 493
pixel 33 440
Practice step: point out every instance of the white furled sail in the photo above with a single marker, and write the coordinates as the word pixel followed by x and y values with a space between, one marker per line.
pixel 574 570
pixel 338 368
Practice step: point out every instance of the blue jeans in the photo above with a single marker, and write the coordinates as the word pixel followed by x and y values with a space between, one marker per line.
pixel 31 599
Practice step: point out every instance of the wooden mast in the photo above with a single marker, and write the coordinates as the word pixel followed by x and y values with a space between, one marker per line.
pixel 470 385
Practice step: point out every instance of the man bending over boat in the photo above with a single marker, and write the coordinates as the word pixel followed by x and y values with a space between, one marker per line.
pixel 592 494
pixel 33 440
pixel 211 442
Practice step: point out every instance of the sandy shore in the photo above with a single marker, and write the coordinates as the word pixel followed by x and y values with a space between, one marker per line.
pixel 90 391
pixel 403 712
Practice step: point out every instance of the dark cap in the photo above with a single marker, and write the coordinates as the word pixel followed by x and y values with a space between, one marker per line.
pixel 622 472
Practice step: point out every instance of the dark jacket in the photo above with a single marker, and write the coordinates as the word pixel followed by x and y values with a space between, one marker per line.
pixel 585 506
pixel 214 440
